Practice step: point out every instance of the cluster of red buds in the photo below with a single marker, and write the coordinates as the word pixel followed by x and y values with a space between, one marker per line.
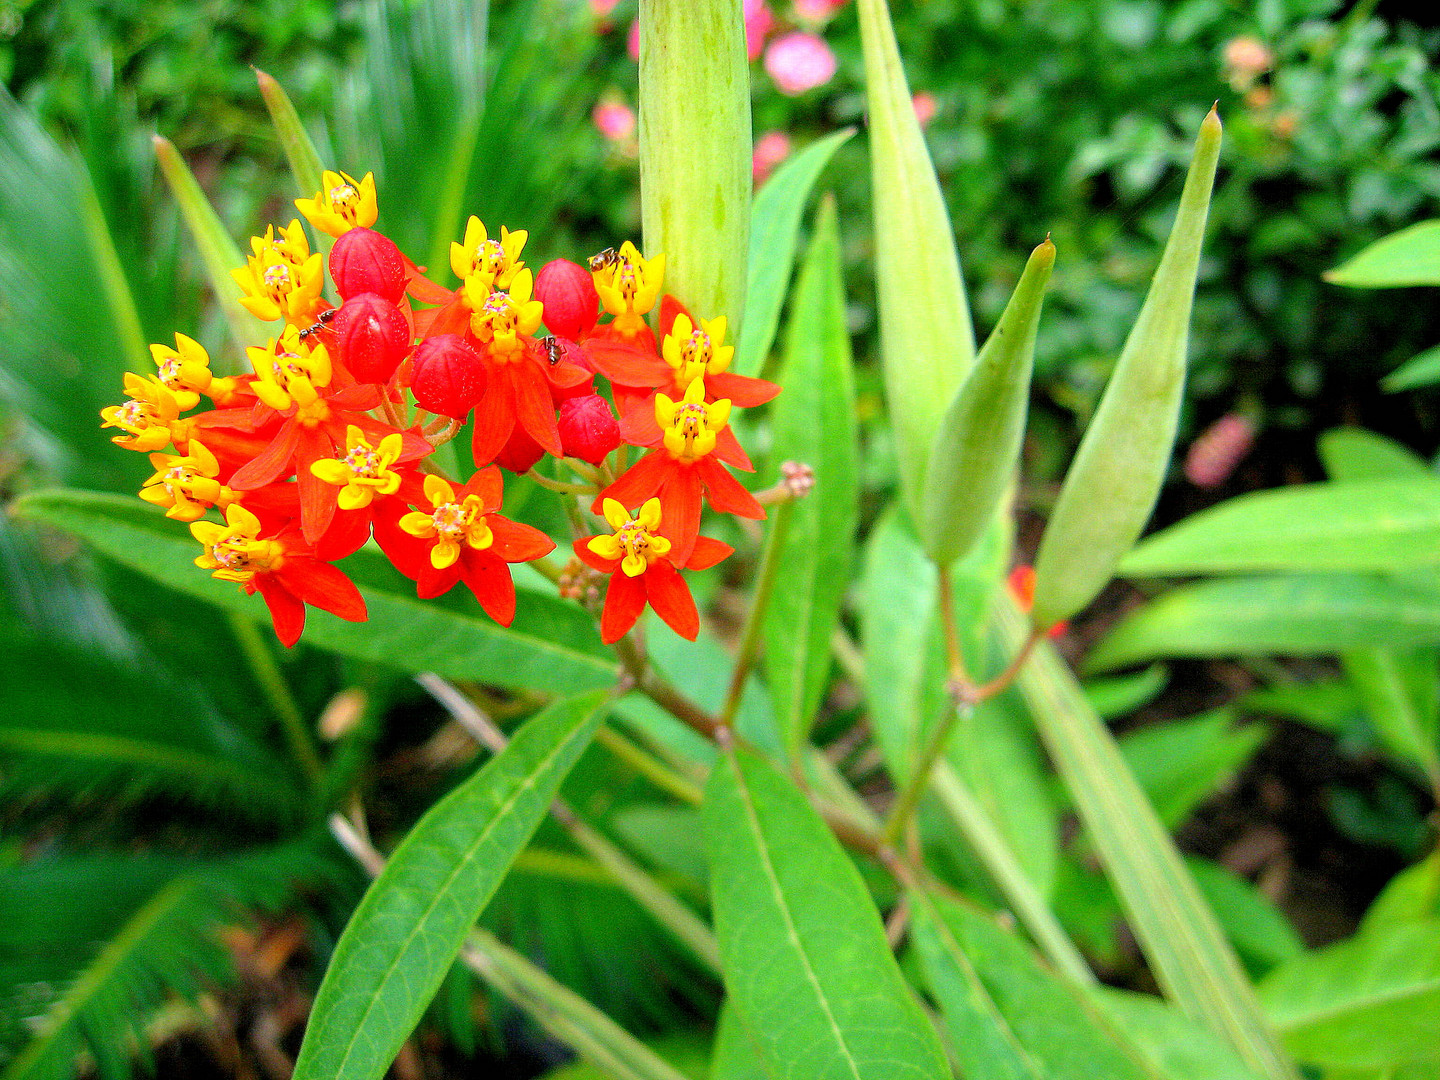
pixel 329 441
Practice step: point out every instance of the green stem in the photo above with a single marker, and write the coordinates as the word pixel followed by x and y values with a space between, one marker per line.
pixel 1008 875
pixel 755 618
pixel 919 779
pixel 657 772
pixel 272 682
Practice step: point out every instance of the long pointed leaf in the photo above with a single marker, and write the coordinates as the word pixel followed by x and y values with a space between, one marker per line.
pixel 1408 257
pixel 417 914
pixel 219 253
pixel 1187 951
pixel 807 966
pixel 551 646
pixel 300 152
pixel 1007 1017
pixel 774 229
pixel 814 423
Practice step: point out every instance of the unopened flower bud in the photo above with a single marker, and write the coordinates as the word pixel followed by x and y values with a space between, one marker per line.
pixel 364 260
pixel 571 303
pixel 372 337
pixel 588 429
pixel 447 375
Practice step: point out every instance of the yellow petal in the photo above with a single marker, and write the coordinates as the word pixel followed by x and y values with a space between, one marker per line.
pixel 390 448
pixel 237 517
pixel 649 515
pixel 522 287
pixel 721 360
pixel 717 413
pixel 444 554
pixel 332 471
pixel 695 392
pixel 607 547
pixel 716 329
pixel 659 545
pixel 634 565
pixel 353 496
pixel 615 514
pixel 665 411
pixel 438 491
pixel 418 525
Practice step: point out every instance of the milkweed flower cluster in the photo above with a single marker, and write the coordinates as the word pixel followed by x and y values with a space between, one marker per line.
pixel 328 440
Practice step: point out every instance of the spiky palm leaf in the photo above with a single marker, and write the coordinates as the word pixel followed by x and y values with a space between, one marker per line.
pixel 95 943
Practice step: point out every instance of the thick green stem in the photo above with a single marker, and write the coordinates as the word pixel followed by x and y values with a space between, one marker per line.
pixel 908 801
pixel 272 682
pixel 755 618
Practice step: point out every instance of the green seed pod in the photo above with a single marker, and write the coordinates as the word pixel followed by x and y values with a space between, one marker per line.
pixel 695 150
pixel 978 445
pixel 1116 476
pixel 926 341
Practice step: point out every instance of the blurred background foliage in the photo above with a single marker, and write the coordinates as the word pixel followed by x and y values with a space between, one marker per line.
pixel 128 843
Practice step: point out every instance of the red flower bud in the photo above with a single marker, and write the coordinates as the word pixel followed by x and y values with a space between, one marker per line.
pixel 447 375
pixel 588 429
pixel 571 303
pixel 372 337
pixel 520 452
pixel 363 260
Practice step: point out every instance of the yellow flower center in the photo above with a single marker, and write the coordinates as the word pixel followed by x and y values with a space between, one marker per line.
pixel 635 543
pixel 489 258
pixel 132 414
pixel 364 462
pixel 452 520
pixel 344 199
pixel 277 279
pixel 240 558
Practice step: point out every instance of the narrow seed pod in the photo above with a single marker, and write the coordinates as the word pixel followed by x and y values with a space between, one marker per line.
pixel 927 345
pixel 1116 476
pixel 978 445
pixel 695 150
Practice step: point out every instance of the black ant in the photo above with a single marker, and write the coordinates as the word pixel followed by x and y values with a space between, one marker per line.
pixel 321 321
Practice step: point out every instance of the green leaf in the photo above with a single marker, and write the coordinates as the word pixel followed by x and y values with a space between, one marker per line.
pixel 977 447
pixel 1370 1001
pixel 1257 929
pixel 75 722
pixel 1356 454
pixel 774 228
pixel 813 422
pixel 1304 615
pixel 927 344
pixel 1181 763
pixel 1408 257
pixel 1179 934
pixel 807 965
pixel 1123 694
pixel 300 152
pixel 218 251
pixel 1007 1017
pixel 1174 1045
pixel 1357 526
pixel 735 1055
pixel 1115 478
pixel 695 151
pixel 415 917
pixel 1400 690
pixel 1413 895
pixel 896 617
pixel 1422 369
pixel 551 646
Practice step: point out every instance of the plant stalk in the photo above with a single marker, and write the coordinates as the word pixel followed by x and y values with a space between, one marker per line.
pixel 755 618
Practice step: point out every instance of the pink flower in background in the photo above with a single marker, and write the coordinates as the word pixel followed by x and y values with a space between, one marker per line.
pixel 773 148
pixel 632 43
pixel 759 21
pixel 925 106
pixel 615 119
pixel 603 8
pixel 799 61
pixel 816 12
pixel 1223 445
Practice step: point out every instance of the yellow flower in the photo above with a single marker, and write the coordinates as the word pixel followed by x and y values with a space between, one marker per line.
pixel 364 471
pixel 289 371
pixel 148 419
pixel 292 245
pixel 635 542
pixel 185 372
pixel 690 425
pixel 501 318
pixel 342 203
pixel 276 288
pixel 232 551
pixel 450 524
pixel 186 485
pixel 628 283
pixel 494 262
pixel 695 352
